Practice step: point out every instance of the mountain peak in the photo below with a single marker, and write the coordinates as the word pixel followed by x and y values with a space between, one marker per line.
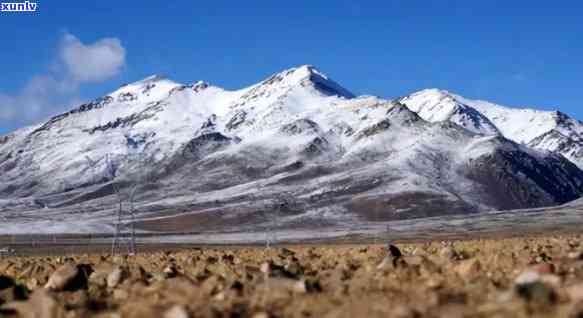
pixel 298 74
pixel 309 76
pixel 199 86
pixel 153 78
pixel 434 93
pixel 153 87
pixel 435 105
pixel 308 71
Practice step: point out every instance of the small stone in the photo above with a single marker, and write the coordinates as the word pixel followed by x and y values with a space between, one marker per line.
pixel 16 292
pixel 551 280
pixel 537 292
pixel 238 287
pixel 468 268
pixel 434 283
pixel 120 294
pixel 576 311
pixel 170 271
pixel 575 255
pixel 157 277
pixel 119 259
pixel 62 277
pixel 448 253
pixel 274 270
pixel 387 263
pixel 32 284
pixel 261 315
pixel 176 311
pixel 527 277
pixel 394 251
pixel 6 282
pixel 300 287
pixel 78 299
pixel 265 268
pixel 542 258
pixel 312 285
pixel 140 310
pixel 393 260
pixel 414 260
pixel 402 311
pixel 390 262
pixel 418 252
pixel 543 272
pixel 220 296
pixel 98 278
pixel 40 305
pixel 535 285
pixel 286 252
pixel 117 275
pixel 543 268
pixel 294 269
pixel 575 292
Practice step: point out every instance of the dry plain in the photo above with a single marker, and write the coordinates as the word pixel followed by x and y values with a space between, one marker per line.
pixel 513 277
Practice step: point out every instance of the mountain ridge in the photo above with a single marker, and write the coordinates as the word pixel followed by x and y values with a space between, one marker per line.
pixel 299 133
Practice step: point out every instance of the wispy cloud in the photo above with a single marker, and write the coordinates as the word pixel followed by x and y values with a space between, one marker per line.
pixel 56 90
pixel 93 62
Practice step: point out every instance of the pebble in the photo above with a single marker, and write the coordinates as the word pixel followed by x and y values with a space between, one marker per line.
pixel 176 311
pixel 62 277
pixel 170 271
pixel 286 252
pixel 300 287
pixel 394 251
pixel 530 276
pixel 448 253
pixel 274 270
pixel 98 278
pixel 537 284
pixel 393 260
pixel 575 292
pixel 120 294
pixel 527 277
pixel 6 282
pixel 40 305
pixel 402 311
pixel 537 292
pixel 32 284
pixel 543 268
pixel 387 263
pixel 117 275
pixel 468 268
pixel 576 310
pixel 415 260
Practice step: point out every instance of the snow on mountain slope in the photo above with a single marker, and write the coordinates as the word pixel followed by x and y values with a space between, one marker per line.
pixel 221 155
pixel 435 105
pixel 544 130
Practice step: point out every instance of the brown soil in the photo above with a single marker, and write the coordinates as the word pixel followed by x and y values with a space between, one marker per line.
pixel 519 277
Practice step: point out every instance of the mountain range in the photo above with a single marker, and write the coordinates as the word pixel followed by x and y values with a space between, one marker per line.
pixel 201 156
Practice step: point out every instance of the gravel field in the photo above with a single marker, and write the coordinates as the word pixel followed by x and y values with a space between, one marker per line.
pixel 517 277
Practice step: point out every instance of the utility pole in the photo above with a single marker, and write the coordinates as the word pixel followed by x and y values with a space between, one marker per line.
pixel 126 190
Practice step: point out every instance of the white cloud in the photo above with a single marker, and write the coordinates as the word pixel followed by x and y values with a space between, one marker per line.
pixel 6 112
pixel 92 62
pixel 55 92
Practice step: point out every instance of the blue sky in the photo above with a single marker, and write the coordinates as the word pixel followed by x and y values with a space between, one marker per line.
pixel 516 53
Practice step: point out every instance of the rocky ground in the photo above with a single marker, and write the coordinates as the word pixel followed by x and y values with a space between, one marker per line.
pixel 526 277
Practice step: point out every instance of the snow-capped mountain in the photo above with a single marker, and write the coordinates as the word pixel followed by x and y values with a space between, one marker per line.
pixel 213 154
pixel 544 130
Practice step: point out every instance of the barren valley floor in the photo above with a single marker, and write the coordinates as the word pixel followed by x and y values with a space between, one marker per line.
pixel 517 277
